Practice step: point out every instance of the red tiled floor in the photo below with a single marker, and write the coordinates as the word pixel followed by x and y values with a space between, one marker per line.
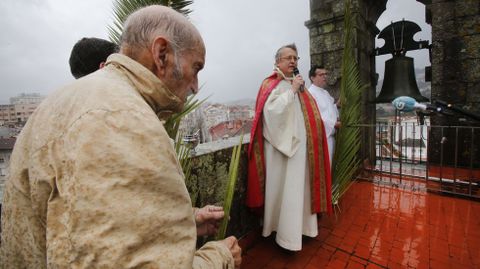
pixel 384 227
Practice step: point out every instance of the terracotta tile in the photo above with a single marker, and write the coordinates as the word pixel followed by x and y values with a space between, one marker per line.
pixel 336 264
pixel 355 265
pixel 340 255
pixel 358 260
pixel 434 264
pixel 373 266
pixel 362 251
pixel 339 232
pixel 323 234
pixel 319 262
pixel 440 256
pixel 275 264
pixel 393 265
pixel 311 266
pixel 351 239
pixel 333 240
pixel 399 256
pixel 390 227
pixel 383 261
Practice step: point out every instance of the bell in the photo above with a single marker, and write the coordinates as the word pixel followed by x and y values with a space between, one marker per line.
pixel 399 80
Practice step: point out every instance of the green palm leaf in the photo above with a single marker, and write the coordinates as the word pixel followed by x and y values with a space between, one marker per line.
pixel 347 146
pixel 123 8
pixel 173 122
pixel 232 180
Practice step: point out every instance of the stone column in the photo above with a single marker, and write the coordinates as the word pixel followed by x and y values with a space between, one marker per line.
pixel 456 79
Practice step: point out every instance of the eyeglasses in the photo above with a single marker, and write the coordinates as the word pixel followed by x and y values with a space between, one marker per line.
pixel 322 74
pixel 290 58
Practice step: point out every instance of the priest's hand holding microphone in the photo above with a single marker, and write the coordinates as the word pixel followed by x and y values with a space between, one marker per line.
pixel 298 83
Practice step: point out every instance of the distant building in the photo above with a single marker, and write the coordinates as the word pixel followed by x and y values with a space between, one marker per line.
pixel 7 114
pixel 215 114
pixel 21 107
pixel 217 121
pixel 240 113
pixel 27 98
pixel 230 129
pixel 6 148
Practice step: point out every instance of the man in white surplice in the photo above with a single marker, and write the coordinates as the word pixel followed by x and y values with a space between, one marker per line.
pixel 288 162
pixel 326 105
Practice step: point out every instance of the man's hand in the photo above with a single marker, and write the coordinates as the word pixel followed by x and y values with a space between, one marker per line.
pixel 297 83
pixel 232 244
pixel 338 124
pixel 208 219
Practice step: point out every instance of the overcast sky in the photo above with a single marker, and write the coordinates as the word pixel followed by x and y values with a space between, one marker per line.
pixel 241 38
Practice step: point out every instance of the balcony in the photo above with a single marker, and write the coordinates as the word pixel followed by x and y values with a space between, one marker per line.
pixel 402 211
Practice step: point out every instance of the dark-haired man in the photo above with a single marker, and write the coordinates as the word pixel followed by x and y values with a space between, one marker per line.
pixel 90 54
pixel 326 105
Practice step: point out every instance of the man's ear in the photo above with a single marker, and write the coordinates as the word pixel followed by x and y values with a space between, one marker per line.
pixel 160 51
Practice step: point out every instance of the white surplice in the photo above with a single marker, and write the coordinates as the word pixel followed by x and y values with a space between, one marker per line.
pixel 287 184
pixel 329 113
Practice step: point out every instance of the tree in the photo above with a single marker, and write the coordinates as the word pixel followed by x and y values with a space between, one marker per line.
pixel 123 8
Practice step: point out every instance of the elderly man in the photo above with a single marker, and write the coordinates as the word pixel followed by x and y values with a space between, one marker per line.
pixel 326 105
pixel 90 54
pixel 288 168
pixel 94 179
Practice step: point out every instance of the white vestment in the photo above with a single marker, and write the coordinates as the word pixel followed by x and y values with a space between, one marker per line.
pixel 329 113
pixel 287 183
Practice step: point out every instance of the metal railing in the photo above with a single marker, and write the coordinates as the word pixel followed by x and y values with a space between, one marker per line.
pixel 438 158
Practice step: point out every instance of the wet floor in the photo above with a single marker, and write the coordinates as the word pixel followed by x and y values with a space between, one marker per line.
pixel 385 226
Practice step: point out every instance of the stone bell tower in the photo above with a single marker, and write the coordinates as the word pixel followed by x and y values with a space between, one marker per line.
pixel 455 58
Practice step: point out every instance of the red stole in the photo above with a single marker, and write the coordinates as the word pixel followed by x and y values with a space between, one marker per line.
pixel 317 151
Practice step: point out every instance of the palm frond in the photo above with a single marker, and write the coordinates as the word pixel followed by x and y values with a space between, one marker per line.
pixel 173 122
pixel 232 180
pixel 347 146
pixel 123 8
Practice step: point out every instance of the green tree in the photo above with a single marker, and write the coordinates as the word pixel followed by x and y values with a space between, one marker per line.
pixel 123 8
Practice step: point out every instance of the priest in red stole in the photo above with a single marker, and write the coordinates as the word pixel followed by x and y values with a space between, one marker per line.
pixel 289 171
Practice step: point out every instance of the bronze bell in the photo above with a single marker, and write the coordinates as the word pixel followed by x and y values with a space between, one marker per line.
pixel 399 80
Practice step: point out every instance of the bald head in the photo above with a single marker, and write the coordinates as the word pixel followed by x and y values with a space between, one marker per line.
pixel 145 24
pixel 166 43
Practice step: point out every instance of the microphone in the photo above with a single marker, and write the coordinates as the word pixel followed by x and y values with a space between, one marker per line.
pixel 296 72
pixel 407 104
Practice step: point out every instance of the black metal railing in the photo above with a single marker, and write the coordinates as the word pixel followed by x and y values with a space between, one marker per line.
pixel 440 158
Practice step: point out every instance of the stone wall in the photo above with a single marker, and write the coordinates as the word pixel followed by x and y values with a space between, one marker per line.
pixel 209 181
pixel 456 78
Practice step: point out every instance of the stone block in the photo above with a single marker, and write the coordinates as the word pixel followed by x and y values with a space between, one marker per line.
pixel 467 8
pixel 451 91
pixel 444 30
pixel 437 52
pixel 468 26
pixel 471 47
pixel 473 96
pixel 327 42
pixel 470 70
pixel 443 11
